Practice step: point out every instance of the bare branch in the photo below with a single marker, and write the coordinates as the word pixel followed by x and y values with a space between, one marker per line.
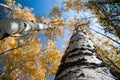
pixel 86 18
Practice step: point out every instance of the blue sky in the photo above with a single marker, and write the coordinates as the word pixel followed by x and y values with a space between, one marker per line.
pixel 40 6
pixel 43 7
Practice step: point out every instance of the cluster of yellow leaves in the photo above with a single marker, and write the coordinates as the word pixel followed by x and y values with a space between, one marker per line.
pixel 55 12
pixel 106 49
pixel 25 14
pixel 74 4
pixel 107 43
pixel 71 21
pixel 9 42
pixel 28 61
pixel 112 60
pixel 19 13
pixel 8 1
pixel 20 60
pixel 56 26
pixel 51 58
pixel 68 4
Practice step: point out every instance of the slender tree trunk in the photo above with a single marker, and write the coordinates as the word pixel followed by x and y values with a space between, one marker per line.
pixel 12 26
pixel 81 62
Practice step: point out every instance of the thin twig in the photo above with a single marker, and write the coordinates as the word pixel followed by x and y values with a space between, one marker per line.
pixel 13 49
pixel 6 6
pixel 86 18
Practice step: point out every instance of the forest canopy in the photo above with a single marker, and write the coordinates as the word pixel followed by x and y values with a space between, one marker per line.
pixel 36 54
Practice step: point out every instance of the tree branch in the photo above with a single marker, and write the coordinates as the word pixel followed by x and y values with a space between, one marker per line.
pixel 108 20
pixel 13 49
pixel 6 6
pixel 86 18
pixel 106 36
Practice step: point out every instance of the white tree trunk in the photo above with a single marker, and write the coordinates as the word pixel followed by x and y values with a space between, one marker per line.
pixel 12 26
pixel 81 62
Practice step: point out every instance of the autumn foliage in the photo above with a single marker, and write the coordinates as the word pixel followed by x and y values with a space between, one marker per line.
pixel 24 57
pixel 27 60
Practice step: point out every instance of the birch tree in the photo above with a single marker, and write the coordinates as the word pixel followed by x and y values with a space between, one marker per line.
pixel 107 13
pixel 81 61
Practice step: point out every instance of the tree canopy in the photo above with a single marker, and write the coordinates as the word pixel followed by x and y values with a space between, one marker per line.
pixel 23 54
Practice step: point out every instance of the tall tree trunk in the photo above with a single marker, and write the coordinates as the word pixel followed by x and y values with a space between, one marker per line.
pixel 81 62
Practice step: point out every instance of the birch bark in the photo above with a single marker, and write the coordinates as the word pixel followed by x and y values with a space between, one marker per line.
pixel 81 61
pixel 12 26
